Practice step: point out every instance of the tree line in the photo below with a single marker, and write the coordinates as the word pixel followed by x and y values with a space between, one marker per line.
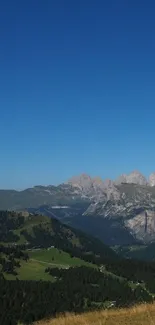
pixel 10 257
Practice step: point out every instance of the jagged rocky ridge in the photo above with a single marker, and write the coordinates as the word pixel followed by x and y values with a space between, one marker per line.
pixel 119 212
pixel 128 204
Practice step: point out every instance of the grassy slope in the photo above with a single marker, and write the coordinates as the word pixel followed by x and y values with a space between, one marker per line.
pixel 31 270
pixel 39 260
pixel 56 257
pixel 34 269
pixel 138 315
pixel 33 228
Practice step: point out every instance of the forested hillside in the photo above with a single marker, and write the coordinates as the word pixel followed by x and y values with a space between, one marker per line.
pixel 78 272
pixel 76 289
pixel 40 231
pixel 141 252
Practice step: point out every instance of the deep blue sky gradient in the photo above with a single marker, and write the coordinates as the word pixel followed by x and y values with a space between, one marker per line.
pixel 77 89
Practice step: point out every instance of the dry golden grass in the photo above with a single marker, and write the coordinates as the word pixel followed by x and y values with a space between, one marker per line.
pixel 138 315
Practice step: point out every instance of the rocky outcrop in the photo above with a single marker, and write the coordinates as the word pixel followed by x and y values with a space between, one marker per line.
pixel 152 179
pixel 142 225
pixel 121 179
pixel 134 210
pixel 134 177
pixel 95 188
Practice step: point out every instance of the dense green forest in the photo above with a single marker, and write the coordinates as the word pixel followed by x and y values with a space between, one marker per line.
pixel 76 289
pixel 142 251
pixel 10 258
pixel 112 281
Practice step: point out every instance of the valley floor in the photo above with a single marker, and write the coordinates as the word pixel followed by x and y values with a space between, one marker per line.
pixel 138 315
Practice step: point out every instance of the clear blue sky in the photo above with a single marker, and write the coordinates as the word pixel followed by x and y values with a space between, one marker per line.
pixel 77 89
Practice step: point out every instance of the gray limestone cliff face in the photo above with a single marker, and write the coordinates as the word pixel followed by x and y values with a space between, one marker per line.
pixel 142 225
pixel 133 208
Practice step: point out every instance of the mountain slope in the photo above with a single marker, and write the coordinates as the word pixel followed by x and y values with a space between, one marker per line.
pixel 40 231
pixel 120 212
pixel 63 194
pixel 137 315
pixel 141 252
pixel 134 177
pixel 152 179
pixel 112 281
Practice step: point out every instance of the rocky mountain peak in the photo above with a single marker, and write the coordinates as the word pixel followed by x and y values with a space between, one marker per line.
pixel 83 184
pixel 152 179
pixel 97 180
pixel 95 187
pixel 108 183
pixel 80 181
pixel 135 177
pixel 121 179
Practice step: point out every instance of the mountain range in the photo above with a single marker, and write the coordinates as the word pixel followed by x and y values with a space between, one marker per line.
pixel 119 212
